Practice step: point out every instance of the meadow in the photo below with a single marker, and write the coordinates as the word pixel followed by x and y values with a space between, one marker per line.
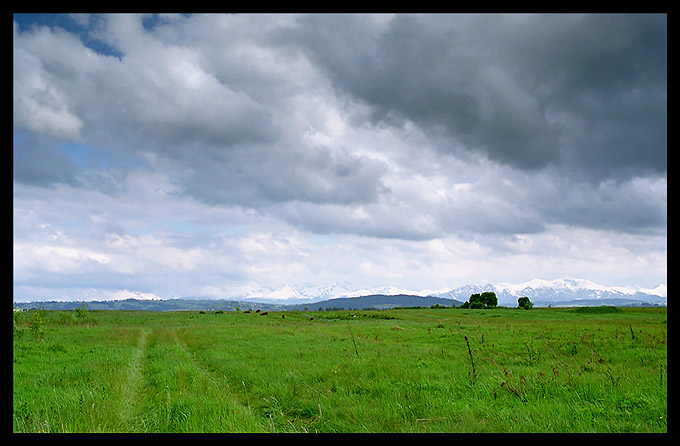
pixel 449 370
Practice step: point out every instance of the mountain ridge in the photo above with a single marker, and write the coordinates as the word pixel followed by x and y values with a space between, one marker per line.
pixel 543 293
pixel 561 291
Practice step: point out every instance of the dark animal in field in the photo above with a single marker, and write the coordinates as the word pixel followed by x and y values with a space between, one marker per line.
pixel 257 311
pixel 311 318
pixel 247 311
pixel 283 316
pixel 264 313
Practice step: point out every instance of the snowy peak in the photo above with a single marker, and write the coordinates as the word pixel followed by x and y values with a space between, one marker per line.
pixel 658 291
pixel 582 285
pixel 562 284
pixel 309 292
pixel 538 290
pixel 561 290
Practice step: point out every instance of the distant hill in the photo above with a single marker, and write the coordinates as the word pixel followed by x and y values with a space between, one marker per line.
pixel 376 301
pixel 152 305
pixel 598 302
pixel 541 292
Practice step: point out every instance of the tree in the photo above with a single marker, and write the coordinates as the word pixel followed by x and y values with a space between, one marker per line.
pixel 489 298
pixel 486 299
pixel 477 305
pixel 524 302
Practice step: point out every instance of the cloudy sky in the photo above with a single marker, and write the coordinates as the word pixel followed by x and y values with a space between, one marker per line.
pixel 204 155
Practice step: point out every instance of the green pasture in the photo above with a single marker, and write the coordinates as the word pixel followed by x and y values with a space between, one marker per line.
pixel 403 370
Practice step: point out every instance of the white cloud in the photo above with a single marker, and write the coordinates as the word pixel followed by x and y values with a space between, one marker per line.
pixel 54 258
pixel 39 104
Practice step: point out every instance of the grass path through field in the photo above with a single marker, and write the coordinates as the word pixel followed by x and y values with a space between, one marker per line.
pixel 130 408
pixel 182 395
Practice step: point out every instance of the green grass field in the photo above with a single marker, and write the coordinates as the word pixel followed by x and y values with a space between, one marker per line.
pixel 402 370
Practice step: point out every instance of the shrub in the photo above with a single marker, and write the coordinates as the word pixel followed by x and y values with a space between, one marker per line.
pixel 596 310
pixel 36 322
pixel 84 315
pixel 66 318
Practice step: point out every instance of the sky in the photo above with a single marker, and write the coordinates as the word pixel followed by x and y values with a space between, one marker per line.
pixel 168 156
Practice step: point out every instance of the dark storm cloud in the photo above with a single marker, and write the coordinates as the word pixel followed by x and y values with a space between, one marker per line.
pixel 260 111
pixel 634 205
pixel 256 176
pixel 587 92
pixel 198 104
pixel 637 205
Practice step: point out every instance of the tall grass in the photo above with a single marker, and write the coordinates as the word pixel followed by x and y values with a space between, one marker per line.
pixel 544 370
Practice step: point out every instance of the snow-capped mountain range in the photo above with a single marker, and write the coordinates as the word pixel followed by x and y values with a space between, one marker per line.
pixel 308 292
pixel 541 292
pixel 562 291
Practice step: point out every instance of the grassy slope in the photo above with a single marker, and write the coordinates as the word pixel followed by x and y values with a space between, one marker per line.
pixel 543 370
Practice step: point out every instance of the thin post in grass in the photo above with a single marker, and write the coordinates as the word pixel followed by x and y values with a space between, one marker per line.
pixel 472 360
pixel 353 341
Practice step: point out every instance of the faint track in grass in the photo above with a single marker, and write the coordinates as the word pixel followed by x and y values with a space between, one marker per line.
pixel 131 392
pixel 241 417
pixel 207 372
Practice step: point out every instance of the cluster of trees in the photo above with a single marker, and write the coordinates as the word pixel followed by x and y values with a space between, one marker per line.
pixel 488 299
